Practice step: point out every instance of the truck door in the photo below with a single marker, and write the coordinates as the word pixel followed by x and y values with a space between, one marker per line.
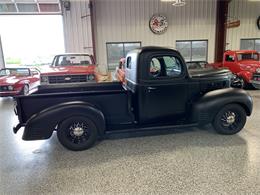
pixel 230 62
pixel 164 93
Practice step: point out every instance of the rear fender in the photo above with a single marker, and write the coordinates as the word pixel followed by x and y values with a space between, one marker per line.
pixel 206 108
pixel 41 125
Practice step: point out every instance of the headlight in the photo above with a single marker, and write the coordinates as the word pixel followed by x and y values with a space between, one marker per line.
pixel 44 79
pixel 91 77
pixel 10 88
pixel 258 70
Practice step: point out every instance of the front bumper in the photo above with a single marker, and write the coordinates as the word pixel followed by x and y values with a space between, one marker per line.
pixel 9 93
pixel 255 83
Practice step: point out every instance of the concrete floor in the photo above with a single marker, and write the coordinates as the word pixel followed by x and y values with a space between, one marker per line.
pixel 187 162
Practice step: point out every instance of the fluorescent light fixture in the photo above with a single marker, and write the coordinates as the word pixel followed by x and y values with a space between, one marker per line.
pixel 179 3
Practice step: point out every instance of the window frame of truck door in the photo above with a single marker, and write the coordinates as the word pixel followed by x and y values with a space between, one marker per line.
pixel 164 85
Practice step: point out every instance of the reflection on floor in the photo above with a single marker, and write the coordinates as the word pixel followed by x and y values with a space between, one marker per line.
pixel 192 161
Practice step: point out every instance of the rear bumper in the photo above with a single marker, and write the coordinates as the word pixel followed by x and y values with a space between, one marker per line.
pixel 9 93
pixel 17 127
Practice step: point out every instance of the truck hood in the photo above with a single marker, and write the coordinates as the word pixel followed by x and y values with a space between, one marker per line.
pixel 249 65
pixel 209 72
pixel 68 70
pixel 8 80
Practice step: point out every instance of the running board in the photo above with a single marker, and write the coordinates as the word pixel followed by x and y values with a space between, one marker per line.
pixel 152 129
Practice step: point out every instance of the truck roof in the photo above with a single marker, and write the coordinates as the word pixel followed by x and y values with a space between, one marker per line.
pixel 241 51
pixel 151 48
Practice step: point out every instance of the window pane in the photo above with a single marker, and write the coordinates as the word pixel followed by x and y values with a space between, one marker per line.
pixel 48 1
pixel 49 7
pixel 173 66
pixel 199 50
pixel 247 44
pixel 7 8
pixel 27 7
pixel 131 46
pixel 155 67
pixel 115 52
pixel 257 45
pixel 184 47
pixel 25 1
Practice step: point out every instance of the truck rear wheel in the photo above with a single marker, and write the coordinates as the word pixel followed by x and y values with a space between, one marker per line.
pixel 230 120
pixel 77 133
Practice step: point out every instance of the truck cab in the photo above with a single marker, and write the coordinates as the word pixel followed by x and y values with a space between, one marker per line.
pixel 245 65
pixel 158 93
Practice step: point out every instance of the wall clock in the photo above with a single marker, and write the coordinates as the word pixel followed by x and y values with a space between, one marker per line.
pixel 158 24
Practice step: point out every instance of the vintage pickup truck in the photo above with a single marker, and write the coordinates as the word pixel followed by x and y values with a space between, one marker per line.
pixel 158 94
pixel 245 65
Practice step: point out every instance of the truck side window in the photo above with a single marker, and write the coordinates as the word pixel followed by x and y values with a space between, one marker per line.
pixel 165 66
pixel 128 63
pixel 230 58
pixel 155 67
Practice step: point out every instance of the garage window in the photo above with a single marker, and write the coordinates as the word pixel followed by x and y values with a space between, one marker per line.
pixel 250 44
pixel 30 7
pixel 194 50
pixel 116 51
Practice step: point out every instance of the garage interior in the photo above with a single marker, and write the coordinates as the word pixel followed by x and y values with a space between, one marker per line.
pixel 187 161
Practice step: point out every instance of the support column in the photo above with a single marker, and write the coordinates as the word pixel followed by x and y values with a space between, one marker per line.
pixel 221 31
pixel 2 61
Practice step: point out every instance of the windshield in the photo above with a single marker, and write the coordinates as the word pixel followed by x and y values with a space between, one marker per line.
pixel 72 60
pixel 18 72
pixel 248 56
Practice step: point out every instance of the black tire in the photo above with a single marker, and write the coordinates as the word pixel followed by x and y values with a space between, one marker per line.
pixel 70 137
pixel 230 119
pixel 26 90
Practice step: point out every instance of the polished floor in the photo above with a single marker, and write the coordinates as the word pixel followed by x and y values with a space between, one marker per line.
pixel 194 161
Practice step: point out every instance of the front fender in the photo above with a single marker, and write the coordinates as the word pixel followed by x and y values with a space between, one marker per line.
pixel 206 108
pixel 41 125
pixel 246 75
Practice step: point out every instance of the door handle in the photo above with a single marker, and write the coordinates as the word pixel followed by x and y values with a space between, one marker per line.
pixel 151 89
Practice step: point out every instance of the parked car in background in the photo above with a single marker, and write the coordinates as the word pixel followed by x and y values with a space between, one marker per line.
pixel 244 64
pixel 70 68
pixel 18 81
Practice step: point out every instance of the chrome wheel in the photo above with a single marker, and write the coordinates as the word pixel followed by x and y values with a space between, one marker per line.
pixel 78 132
pixel 230 119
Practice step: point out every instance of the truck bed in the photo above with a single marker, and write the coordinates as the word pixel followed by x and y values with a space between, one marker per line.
pixel 113 94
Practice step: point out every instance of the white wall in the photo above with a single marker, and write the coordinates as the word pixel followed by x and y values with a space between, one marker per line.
pixel 247 12
pixel 77 27
pixel 127 20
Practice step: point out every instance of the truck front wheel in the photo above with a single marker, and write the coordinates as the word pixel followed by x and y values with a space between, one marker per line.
pixel 77 133
pixel 230 119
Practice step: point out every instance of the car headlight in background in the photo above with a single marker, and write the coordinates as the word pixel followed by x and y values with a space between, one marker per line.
pixel 91 77
pixel 44 79
pixel 258 70
pixel 10 88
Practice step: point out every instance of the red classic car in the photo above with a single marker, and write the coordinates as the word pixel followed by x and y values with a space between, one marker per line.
pixel 18 81
pixel 70 68
pixel 244 64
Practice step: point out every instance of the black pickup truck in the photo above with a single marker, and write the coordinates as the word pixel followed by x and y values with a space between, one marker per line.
pixel 159 93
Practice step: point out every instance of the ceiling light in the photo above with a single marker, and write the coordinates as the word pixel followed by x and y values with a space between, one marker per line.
pixel 179 3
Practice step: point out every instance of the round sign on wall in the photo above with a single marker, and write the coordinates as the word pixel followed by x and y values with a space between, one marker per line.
pixel 158 24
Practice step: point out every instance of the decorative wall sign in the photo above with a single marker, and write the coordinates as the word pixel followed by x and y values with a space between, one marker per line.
pixel 258 22
pixel 158 24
